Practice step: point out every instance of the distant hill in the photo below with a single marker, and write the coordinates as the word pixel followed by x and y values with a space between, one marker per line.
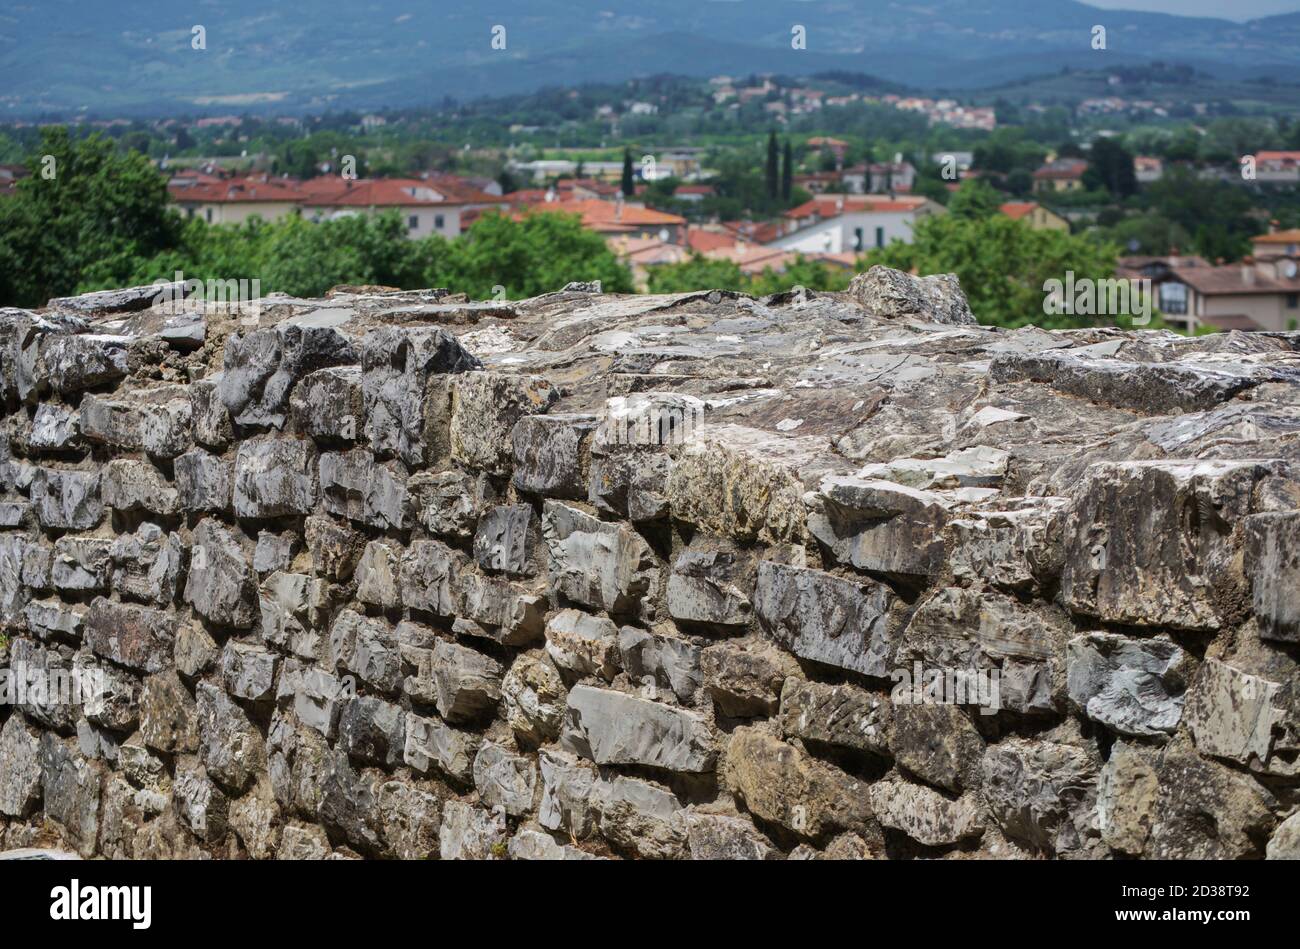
pixel 67 56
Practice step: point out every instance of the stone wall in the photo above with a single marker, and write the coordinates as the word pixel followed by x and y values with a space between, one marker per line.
pixel 818 575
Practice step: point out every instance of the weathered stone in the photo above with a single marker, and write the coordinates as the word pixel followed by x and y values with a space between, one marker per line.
pixel 274 551
pixel 249 671
pixel 54 428
pixel 505 540
pixel 552 454
pixel 499 610
pixel 657 661
pixel 221 584
pixel 1242 717
pixel 529 844
pixel 201 805
pixel 629 481
pixel 1041 793
pixel 780 783
pixel 137 485
pixel 471 833
pixel 485 408
pixel 1015 549
pixel 894 294
pixel 275 477
pixel 293 610
pixel 75 362
pixel 54 619
pixel 925 815
pixel 1126 798
pixel 405 384
pixel 262 367
pixel 410 818
pixel 81 564
pixel 255 817
pixel 605 566
pixel 825 618
pixel 147 565
pixel 880 526
pixel 448 503
pixel 168 715
pixel 367 648
pixel 937 743
pixel 372 731
pixel 110 696
pixel 349 803
pixel 429 570
pixel 132 636
pixel 505 780
pixel 1148 543
pixel 377 576
pixel 642 818
pixel 711 585
pixel 20 768
pixel 66 500
pixel 533 697
pixel 466 683
pixel 1273 568
pixel 204 482
pixel 1285 842
pixel 723 837
pixel 583 645
pixel 354 486
pixel 208 414
pixel 71 788
pixel 745 676
pixel 568 794
pixel 1134 687
pixel 195 651
pixel 317 701
pixel 1204 811
pixel 335 548
pixel 157 421
pixel 840 716
pixel 432 745
pixel 328 404
pixel 303 842
pixel 615 728
pixel 230 746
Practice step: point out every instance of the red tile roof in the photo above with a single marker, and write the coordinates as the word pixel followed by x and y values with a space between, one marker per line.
pixel 828 206
pixel 702 240
pixel 1018 209
pixel 612 216
pixel 1063 169
pixel 235 190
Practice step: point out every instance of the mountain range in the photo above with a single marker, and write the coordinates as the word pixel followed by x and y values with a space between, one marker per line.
pixel 67 57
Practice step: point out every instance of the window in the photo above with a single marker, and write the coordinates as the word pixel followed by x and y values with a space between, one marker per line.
pixel 857 238
pixel 413 221
pixel 880 237
pixel 1292 300
pixel 209 215
pixel 437 222
pixel 1173 298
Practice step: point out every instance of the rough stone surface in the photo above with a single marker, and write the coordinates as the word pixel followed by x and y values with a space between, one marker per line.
pixel 390 574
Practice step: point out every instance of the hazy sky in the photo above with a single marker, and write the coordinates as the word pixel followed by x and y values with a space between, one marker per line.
pixel 1238 10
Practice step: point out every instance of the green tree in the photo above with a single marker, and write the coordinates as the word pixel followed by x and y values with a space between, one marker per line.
pixel 770 169
pixel 1002 264
pixel 787 174
pixel 629 183
pixel 88 226
pixel 1110 166
pixel 974 200
pixel 697 273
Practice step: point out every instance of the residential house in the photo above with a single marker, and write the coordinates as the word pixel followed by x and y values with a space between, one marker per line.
pixel 1277 243
pixel 1064 174
pixel 1035 215
pixel 234 200
pixel 9 175
pixel 1251 295
pixel 1147 168
pixel 693 193
pixel 891 177
pixel 427 207
pixel 617 218
pixel 835 224
pixel 1277 167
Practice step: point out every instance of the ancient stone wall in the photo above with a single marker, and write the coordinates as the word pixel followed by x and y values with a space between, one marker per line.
pixel 818 575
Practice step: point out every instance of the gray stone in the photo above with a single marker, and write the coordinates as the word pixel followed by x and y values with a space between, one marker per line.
pixel 20 768
pixel 724 837
pixel 924 815
pixel 894 294
pixel 378 576
pixel 485 408
pixel 208 414
pixel 1040 793
pixel 157 421
pixel 147 565
pixel 448 503
pixel 354 486
pixel 81 564
pixel 221 584
pixel 54 428
pixel 431 745
pixel 1273 568
pixel 367 648
pixel 641 817
pixel 275 477
pixel 76 362
pixel 466 683
pixel 294 611
pixel 533 699
pixel 230 745
pixel 66 500
pixel 132 636
pixel 568 794
pixel 880 526
pixel 615 728
pixel 204 482
pixel 711 586
pixel 71 789
pixel 505 780
pixel 583 645
pixel 552 454
pixel 658 661
pixel 249 671
pixel 262 367
pixel 839 716
pixel 602 565
pixel 54 619
pixel 328 404
pixel 169 720
pixel 471 833
pixel 201 805
pixel 745 676
pixel 274 551
pixel 1243 718
pixel 937 743
pixel 372 731
pixel 825 618
pixel 1134 687
pixel 505 540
